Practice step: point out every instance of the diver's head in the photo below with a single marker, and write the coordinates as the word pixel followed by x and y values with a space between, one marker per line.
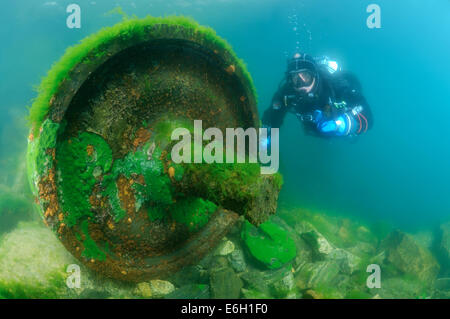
pixel 302 73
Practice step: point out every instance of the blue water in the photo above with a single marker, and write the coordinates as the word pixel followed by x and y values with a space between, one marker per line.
pixel 397 172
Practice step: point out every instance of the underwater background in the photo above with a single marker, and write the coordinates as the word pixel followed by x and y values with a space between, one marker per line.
pixel 397 175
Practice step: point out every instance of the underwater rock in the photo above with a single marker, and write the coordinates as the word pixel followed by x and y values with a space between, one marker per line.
pixel 403 288
pixel 255 280
pixel 424 238
pixel 444 248
pixel 33 263
pixel 193 291
pixel 225 284
pixel 294 295
pixel 154 288
pixel 99 154
pixel 406 255
pixel 254 294
pixel 312 294
pixel 445 238
pixel 269 244
pixel 364 233
pixel 304 253
pixel 318 274
pixel 362 249
pixel 322 249
pixel 218 263
pixel 323 293
pixel 442 288
pixel 189 274
pixel 90 293
pixel 339 232
pixel 348 262
pixel 225 248
pixel 323 280
pixel 282 288
pixel 263 280
pixel 318 243
pixel 303 227
pixel 143 289
pixel 160 288
pixel 237 260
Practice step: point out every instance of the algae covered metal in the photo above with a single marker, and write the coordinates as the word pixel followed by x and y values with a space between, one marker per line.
pixel 99 156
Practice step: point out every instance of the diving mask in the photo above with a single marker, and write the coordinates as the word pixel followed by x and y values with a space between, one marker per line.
pixel 302 78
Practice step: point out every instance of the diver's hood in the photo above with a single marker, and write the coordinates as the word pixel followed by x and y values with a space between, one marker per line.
pixel 300 63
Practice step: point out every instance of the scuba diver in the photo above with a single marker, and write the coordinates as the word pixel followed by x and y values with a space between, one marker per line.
pixel 327 100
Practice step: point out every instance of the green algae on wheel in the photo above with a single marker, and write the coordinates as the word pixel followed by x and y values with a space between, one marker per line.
pixel 99 148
